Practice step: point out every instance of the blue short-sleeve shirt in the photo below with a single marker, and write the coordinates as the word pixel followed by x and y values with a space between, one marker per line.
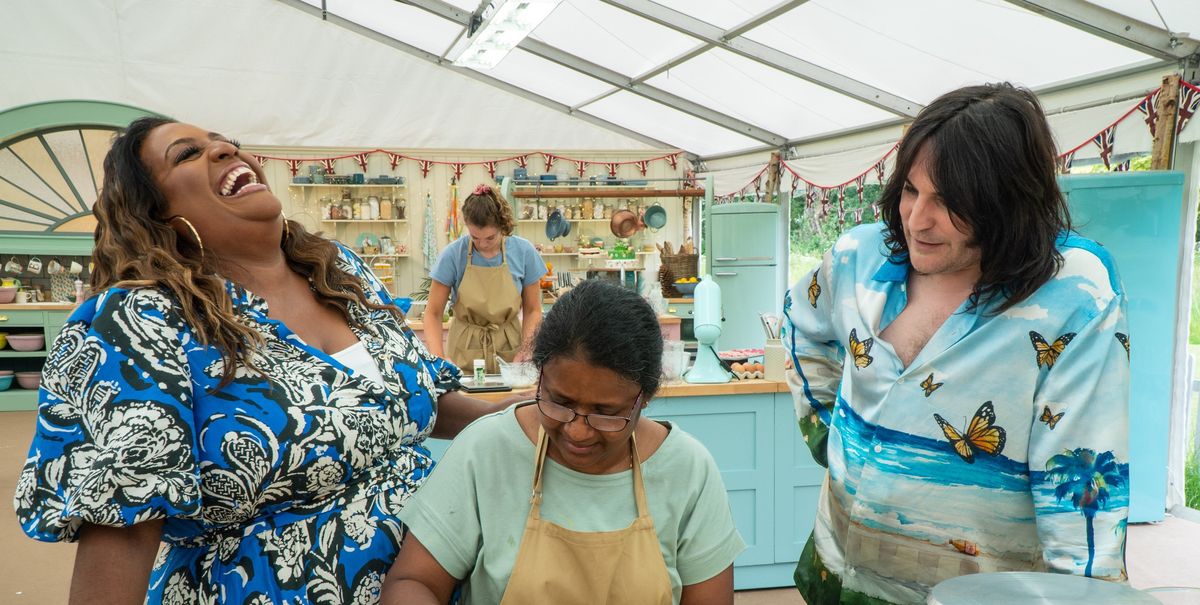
pixel 524 263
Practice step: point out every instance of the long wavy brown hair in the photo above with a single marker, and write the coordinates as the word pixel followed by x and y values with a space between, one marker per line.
pixel 136 247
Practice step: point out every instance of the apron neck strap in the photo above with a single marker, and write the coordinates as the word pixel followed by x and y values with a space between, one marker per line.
pixel 471 250
pixel 539 465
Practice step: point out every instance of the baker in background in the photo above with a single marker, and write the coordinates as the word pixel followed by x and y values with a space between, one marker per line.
pixel 490 277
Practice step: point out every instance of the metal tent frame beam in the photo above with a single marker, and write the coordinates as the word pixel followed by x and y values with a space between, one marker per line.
pixel 613 78
pixel 470 73
pixel 811 72
pixel 1114 27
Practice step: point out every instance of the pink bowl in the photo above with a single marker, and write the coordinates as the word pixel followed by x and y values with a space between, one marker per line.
pixel 29 380
pixel 26 342
pixel 8 295
pixel 6 372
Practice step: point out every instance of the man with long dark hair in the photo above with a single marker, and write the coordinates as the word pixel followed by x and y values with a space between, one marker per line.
pixel 962 370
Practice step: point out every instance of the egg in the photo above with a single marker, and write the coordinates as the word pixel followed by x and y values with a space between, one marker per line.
pixel 758 367
pixel 737 367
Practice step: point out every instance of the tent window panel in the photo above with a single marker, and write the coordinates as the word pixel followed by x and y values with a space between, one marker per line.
pixel 611 37
pixel 765 96
pixel 915 50
pixel 407 24
pixel 666 124
pixel 547 79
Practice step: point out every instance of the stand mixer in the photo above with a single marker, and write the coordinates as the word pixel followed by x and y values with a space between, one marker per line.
pixel 708 368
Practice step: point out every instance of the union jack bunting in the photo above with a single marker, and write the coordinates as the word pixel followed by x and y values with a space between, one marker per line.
pixel 1122 167
pixel 458 169
pixel 1149 109
pixel 393 159
pixel 361 159
pixel 1189 102
pixel 612 168
pixel 879 168
pixel 549 161
pixel 1104 141
pixel 1064 163
pixel 328 164
pixel 261 159
pixel 490 166
pixel 294 166
pixel 861 183
pixel 581 167
pixel 642 166
pixel 673 160
pixel 425 166
pixel 522 161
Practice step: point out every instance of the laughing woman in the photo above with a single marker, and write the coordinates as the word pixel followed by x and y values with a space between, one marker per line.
pixel 240 390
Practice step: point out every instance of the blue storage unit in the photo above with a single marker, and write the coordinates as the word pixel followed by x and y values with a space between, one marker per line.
pixel 1142 219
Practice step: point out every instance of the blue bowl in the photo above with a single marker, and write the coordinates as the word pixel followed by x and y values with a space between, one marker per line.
pixel 5 382
pixel 686 289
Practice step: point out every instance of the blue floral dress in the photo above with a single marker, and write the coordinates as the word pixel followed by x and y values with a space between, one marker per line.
pixel 282 487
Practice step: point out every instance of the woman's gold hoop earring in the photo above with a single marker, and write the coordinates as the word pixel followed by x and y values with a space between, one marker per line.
pixel 192 228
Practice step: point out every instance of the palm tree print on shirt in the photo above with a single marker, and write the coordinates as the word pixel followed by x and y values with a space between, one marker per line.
pixel 1087 478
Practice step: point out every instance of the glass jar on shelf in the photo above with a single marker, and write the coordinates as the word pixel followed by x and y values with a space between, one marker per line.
pixel 385 208
pixel 373 207
pixel 401 207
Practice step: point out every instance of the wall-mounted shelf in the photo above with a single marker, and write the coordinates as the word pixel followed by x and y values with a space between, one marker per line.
pixel 366 256
pixel 365 220
pixel 332 186
pixel 602 192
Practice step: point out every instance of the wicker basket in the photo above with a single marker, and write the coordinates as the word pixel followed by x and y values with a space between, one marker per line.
pixel 676 266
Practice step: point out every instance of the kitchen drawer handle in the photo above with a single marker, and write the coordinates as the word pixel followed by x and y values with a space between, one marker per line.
pixel 726 258
pixel 725 273
pixel 3 318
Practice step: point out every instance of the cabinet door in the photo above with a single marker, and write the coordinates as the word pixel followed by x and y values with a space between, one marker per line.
pixel 737 432
pixel 798 481
pixel 746 291
pixel 742 238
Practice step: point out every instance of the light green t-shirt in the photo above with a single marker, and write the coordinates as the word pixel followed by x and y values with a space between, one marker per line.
pixel 470 513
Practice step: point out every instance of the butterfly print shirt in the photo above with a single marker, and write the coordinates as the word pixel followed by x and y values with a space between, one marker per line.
pixel 927 483
pixel 281 487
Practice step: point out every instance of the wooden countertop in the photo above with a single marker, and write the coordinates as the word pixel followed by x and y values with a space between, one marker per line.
pixel 684 300
pixel 677 389
pixel 37 307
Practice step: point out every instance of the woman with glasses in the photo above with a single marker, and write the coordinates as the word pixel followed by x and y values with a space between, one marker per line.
pixel 573 497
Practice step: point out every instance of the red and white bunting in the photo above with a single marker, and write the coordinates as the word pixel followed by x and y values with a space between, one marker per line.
pixel 824 209
pixel 1064 163
pixel 294 166
pixel 758 187
pixel 361 160
pixel 861 182
pixel 858 214
pixel 880 166
pixel 522 161
pixel 1189 102
pixel 549 161
pixel 1123 166
pixel 458 169
pixel 490 165
pixel 261 159
pixel 673 160
pixel 425 166
pixel 642 166
pixel 393 159
pixel 1105 141
pixel 1147 107
pixel 328 164
pixel 580 167
pixel 612 168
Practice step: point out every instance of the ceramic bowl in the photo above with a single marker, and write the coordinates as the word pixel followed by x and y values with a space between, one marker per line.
pixel 5 382
pixel 27 342
pixel 29 380
pixel 3 339
pixel 686 289
pixel 8 294
pixel 6 372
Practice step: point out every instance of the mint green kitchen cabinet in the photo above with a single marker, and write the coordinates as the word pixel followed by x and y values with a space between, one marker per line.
pixel 24 321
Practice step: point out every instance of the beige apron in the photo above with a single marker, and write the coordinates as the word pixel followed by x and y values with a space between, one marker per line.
pixel 564 567
pixel 486 315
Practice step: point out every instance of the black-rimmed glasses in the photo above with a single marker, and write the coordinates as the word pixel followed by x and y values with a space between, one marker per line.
pixel 601 422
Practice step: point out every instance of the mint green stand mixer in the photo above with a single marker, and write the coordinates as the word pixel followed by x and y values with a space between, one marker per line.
pixel 708 368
